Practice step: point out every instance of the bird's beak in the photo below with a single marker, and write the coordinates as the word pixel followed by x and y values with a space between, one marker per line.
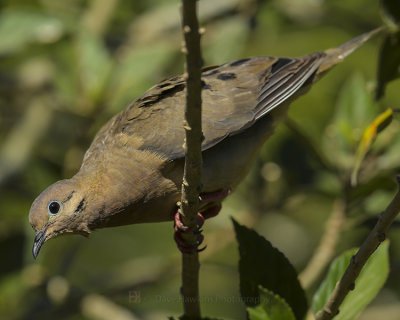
pixel 40 238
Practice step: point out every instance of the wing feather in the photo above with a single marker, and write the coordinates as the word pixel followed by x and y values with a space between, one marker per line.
pixel 284 82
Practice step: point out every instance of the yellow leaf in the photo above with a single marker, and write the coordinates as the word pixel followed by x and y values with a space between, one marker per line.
pixel 368 137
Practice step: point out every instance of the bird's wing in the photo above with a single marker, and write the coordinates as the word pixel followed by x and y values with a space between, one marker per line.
pixel 234 96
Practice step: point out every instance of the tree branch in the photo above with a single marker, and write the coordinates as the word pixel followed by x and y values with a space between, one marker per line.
pixel 370 244
pixel 191 185
pixel 326 248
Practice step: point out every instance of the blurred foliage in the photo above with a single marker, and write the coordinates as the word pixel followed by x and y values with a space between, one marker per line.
pixel 67 66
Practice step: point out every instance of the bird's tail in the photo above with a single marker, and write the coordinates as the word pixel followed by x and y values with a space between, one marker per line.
pixel 336 55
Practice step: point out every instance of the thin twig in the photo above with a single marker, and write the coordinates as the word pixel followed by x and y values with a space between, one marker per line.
pixel 370 244
pixel 326 248
pixel 191 185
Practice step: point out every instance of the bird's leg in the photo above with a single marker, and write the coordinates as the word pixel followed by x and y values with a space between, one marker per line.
pixel 212 198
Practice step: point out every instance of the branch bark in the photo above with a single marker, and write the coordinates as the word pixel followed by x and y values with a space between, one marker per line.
pixel 370 244
pixel 191 185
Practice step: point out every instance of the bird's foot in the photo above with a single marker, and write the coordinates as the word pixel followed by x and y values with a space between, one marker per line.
pixel 209 212
pixel 180 228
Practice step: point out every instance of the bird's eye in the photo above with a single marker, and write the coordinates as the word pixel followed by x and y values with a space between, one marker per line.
pixel 54 207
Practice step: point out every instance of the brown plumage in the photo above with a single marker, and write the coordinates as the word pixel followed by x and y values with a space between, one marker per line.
pixel 132 171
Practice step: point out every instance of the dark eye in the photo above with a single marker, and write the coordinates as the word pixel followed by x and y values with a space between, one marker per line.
pixel 54 207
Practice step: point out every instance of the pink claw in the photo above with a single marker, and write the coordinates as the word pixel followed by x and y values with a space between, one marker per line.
pixel 179 227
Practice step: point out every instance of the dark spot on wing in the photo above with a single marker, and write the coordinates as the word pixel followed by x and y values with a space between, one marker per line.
pixel 280 64
pixel 227 76
pixel 80 206
pixel 148 100
pixel 163 85
pixel 239 62
pixel 211 73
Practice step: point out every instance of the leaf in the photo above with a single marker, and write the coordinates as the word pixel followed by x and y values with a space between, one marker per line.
pixel 19 28
pixel 368 137
pixel 371 279
pixel 388 62
pixel 262 264
pixel 271 307
pixel 335 273
pixel 355 109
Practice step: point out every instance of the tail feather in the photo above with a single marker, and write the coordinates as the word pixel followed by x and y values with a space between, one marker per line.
pixel 285 80
pixel 336 55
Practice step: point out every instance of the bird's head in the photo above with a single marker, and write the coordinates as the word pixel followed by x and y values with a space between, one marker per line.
pixel 58 209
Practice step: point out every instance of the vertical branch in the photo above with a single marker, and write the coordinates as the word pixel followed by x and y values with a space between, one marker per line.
pixel 191 185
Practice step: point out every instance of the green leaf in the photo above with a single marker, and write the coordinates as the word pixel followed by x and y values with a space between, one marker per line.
pixel 388 62
pixel 271 307
pixel 262 264
pixel 335 273
pixel 367 285
pixel 19 28
pixel 355 109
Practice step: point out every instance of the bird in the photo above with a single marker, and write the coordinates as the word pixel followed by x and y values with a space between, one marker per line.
pixel 132 171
